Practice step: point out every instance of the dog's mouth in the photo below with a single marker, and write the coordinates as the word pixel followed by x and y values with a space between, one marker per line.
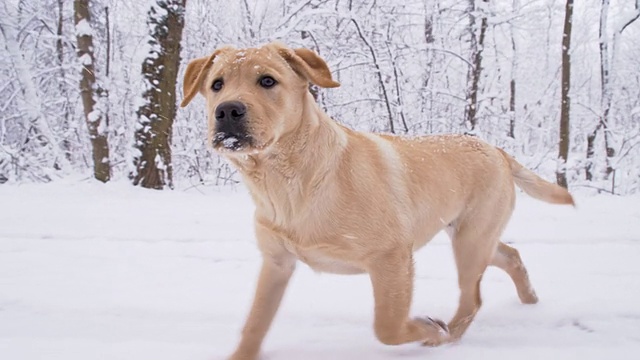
pixel 224 141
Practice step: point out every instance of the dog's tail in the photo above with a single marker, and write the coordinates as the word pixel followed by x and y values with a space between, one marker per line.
pixel 535 186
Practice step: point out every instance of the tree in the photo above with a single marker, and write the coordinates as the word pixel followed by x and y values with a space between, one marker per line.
pixel 152 160
pixel 40 147
pixel 475 70
pixel 512 83
pixel 66 145
pixel 91 92
pixel 607 64
pixel 565 107
pixel 378 72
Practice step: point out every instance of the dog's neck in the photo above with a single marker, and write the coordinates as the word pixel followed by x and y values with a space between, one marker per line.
pixel 290 173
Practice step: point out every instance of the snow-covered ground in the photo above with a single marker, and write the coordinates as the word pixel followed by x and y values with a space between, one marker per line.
pixel 91 271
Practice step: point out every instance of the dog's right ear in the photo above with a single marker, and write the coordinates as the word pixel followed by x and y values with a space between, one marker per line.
pixel 308 64
pixel 194 76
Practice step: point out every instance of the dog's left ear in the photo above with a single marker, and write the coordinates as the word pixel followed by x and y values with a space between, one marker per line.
pixel 308 64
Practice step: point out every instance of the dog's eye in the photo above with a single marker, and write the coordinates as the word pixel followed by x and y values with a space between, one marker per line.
pixel 267 82
pixel 217 85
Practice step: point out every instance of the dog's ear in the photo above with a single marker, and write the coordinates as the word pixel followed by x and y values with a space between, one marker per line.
pixel 194 76
pixel 308 64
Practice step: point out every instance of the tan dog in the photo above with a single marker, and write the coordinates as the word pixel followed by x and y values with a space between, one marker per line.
pixel 348 202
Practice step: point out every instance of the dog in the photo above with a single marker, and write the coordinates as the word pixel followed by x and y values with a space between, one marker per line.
pixel 350 202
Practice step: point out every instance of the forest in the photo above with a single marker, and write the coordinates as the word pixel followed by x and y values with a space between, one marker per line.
pixel 91 87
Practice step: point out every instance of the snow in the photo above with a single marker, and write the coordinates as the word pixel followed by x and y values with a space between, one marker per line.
pixel 95 115
pixel 86 60
pixel 160 164
pixel 241 56
pixel 93 271
pixel 83 28
pixel 230 142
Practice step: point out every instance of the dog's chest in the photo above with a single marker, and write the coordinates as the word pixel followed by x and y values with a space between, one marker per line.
pixel 322 260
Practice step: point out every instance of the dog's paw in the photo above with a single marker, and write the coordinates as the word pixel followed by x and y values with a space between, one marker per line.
pixel 528 297
pixel 438 330
pixel 240 355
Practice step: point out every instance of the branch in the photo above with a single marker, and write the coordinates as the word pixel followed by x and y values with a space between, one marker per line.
pixel 451 53
pixel 632 19
pixel 293 13
pixel 378 72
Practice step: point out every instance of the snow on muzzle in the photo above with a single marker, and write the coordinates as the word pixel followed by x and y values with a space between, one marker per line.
pixel 231 141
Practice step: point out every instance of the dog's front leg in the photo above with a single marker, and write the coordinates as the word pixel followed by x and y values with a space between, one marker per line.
pixel 277 267
pixel 392 279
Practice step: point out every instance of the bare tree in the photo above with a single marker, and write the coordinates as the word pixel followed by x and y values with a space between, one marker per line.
pixel 565 109
pixel 40 137
pixel 66 144
pixel 152 161
pixel 475 71
pixel 514 68
pixel 378 71
pixel 94 111
pixel 607 64
pixel 399 102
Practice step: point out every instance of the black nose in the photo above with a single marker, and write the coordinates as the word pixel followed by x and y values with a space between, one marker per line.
pixel 230 111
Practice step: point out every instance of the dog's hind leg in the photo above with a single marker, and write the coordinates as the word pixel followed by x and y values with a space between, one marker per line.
pixel 392 280
pixel 508 259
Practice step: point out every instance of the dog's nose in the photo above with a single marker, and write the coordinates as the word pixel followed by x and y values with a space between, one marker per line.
pixel 230 111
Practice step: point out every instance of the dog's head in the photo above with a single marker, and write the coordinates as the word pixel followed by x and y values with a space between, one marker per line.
pixel 254 95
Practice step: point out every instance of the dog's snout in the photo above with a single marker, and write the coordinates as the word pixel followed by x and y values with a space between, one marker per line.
pixel 230 111
pixel 231 126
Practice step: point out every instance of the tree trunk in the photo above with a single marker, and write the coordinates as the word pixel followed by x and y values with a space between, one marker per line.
pixel 591 140
pixel 475 71
pixel 563 153
pixel 89 92
pixel 514 67
pixel 152 160
pixel 428 22
pixel 66 144
pixel 396 78
pixel 512 108
pixel 605 104
pixel 426 101
pixel 107 67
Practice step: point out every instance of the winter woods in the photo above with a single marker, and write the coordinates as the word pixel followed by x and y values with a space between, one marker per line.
pixel 91 86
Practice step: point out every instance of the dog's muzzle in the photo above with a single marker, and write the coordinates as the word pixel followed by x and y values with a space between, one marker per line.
pixel 231 126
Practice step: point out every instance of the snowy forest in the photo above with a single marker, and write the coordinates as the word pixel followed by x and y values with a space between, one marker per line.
pixel 91 87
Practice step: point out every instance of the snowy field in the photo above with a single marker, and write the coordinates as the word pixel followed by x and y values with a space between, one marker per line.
pixel 91 271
